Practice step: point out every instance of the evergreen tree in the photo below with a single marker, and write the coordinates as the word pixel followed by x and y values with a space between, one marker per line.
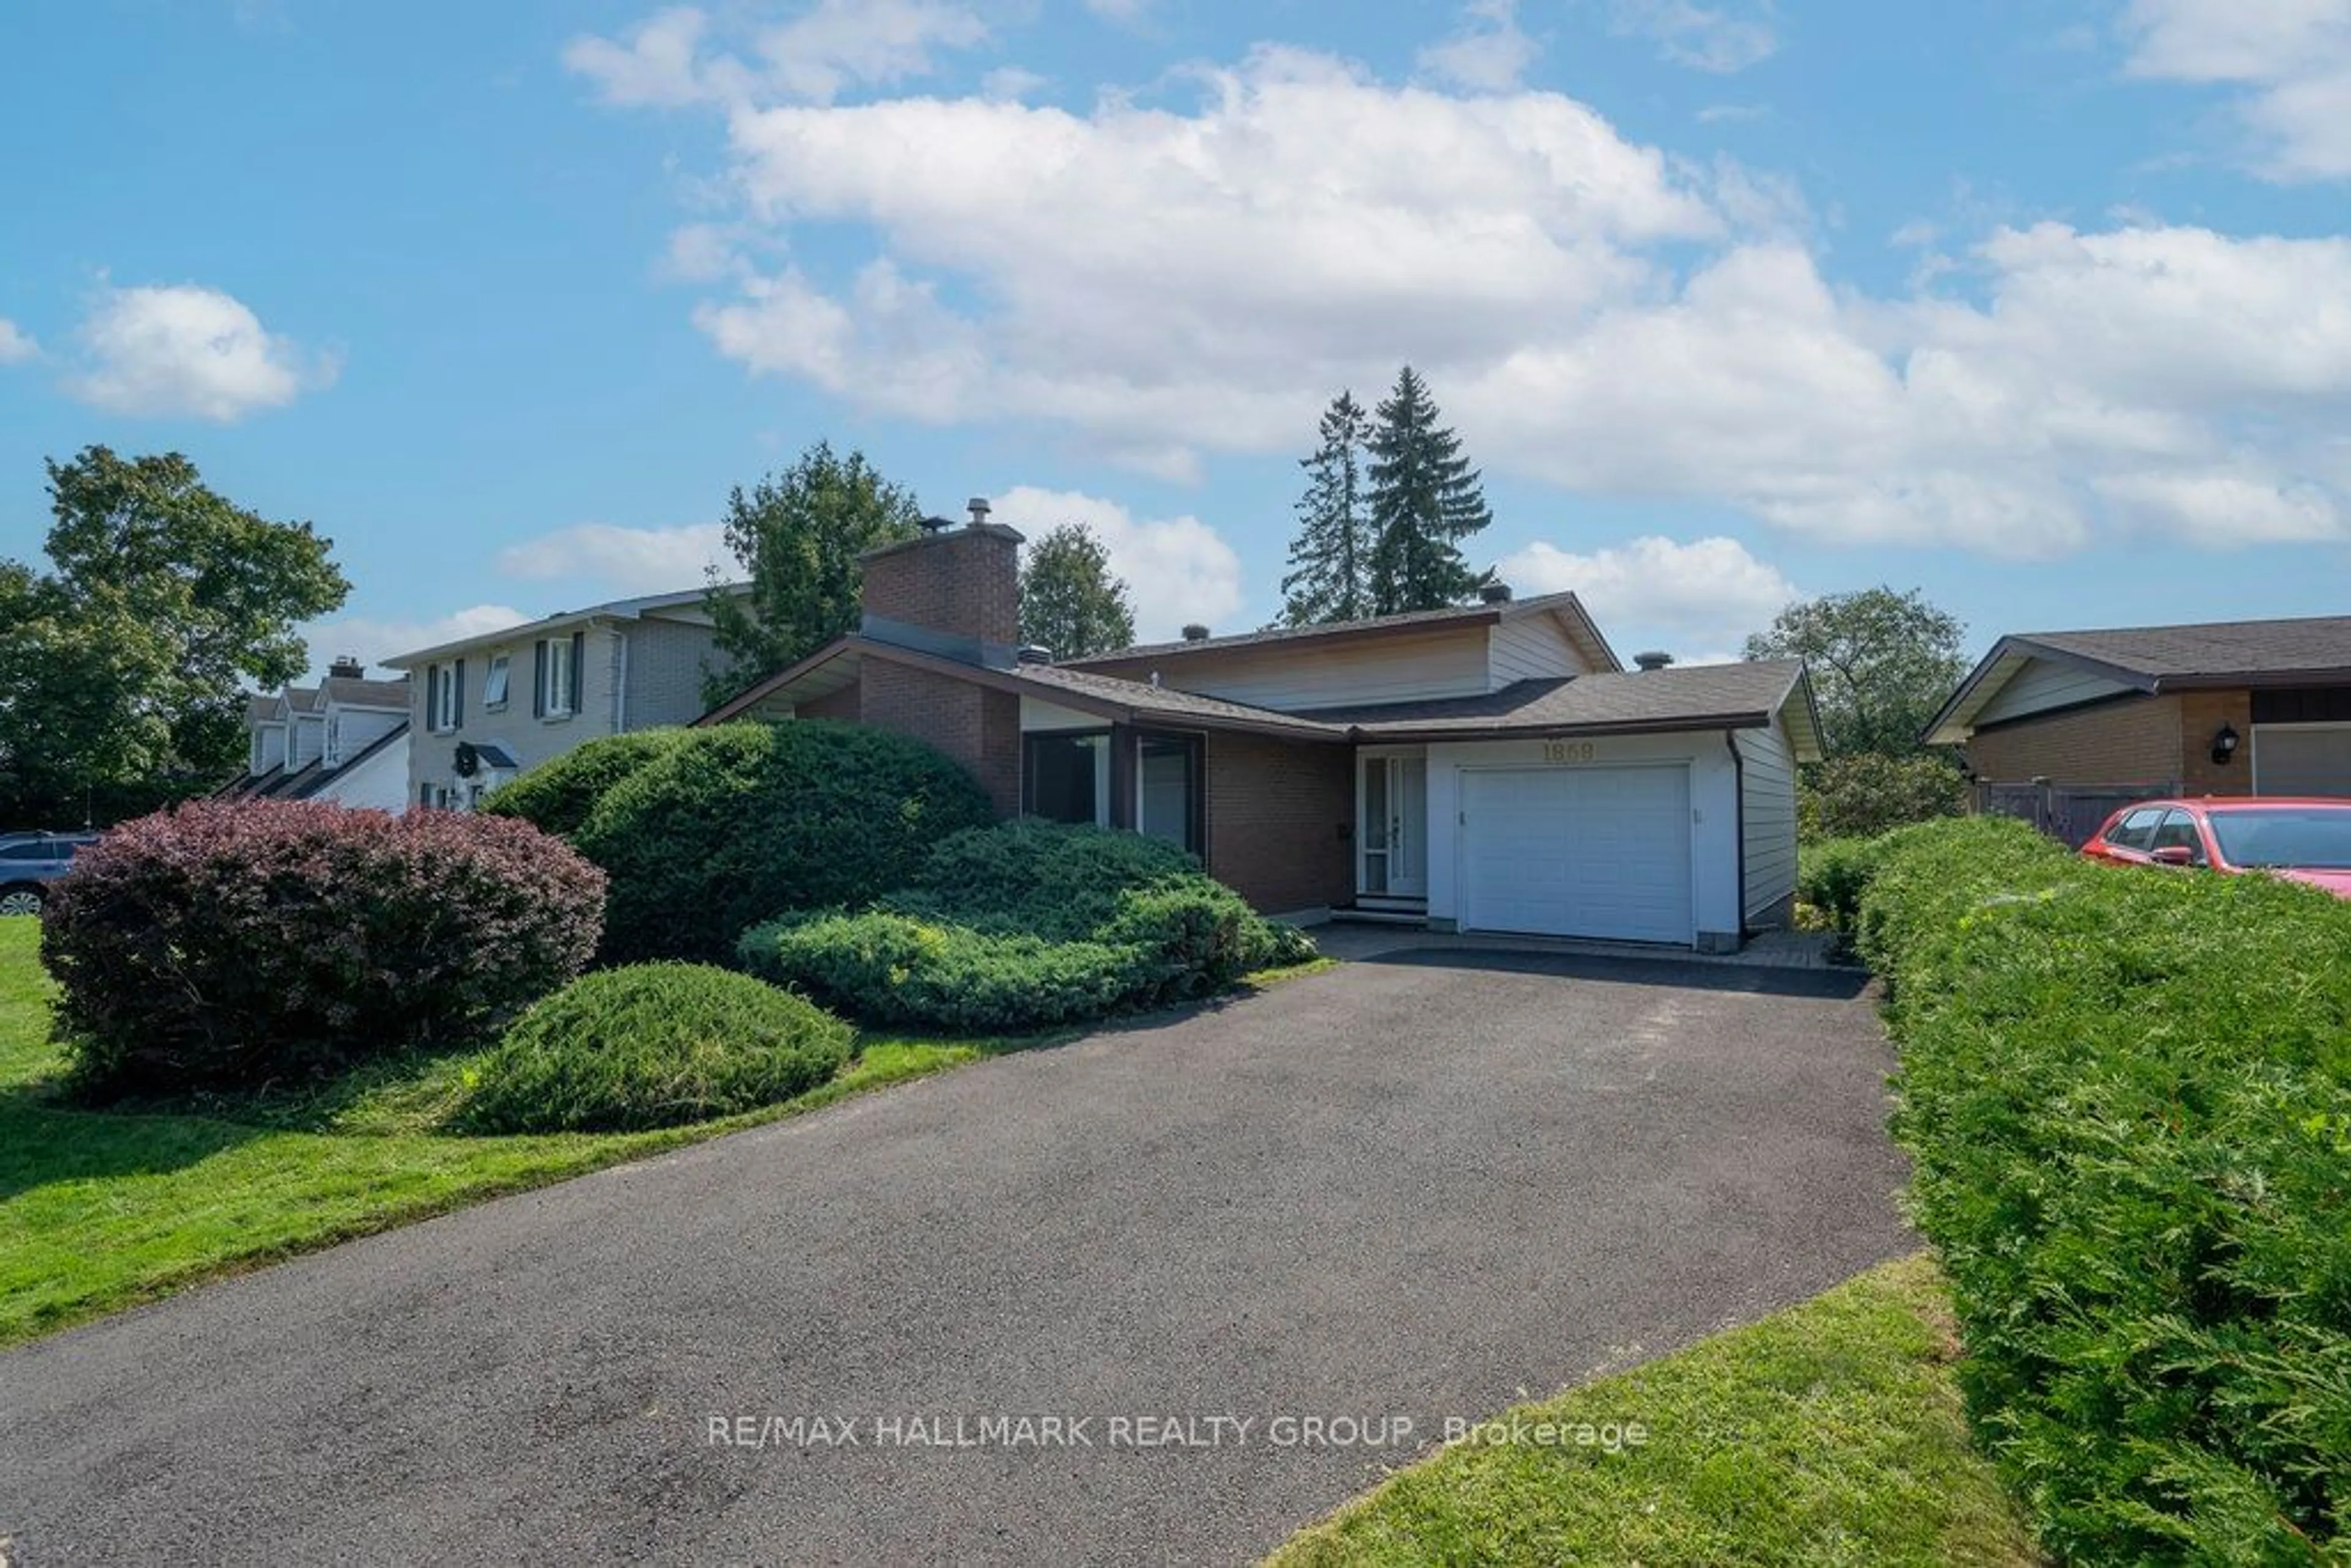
pixel 797 535
pixel 1330 560
pixel 1070 600
pixel 1424 500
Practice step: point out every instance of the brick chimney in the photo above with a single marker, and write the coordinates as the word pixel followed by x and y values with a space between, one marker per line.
pixel 347 668
pixel 953 590
pixel 954 593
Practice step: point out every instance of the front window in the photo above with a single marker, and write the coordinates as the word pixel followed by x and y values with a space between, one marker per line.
pixel 493 685
pixel 1065 777
pixel 555 678
pixel 2306 838
pixel 1167 791
pixel 441 694
pixel 334 741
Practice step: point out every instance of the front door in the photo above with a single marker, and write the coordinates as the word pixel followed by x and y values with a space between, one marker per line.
pixel 1392 807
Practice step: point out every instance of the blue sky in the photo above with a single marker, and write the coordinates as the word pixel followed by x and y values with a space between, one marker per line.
pixel 2044 308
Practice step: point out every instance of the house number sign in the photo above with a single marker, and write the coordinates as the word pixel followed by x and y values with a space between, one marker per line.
pixel 1569 751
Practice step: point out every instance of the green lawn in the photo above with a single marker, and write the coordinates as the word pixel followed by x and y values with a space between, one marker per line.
pixel 1830 1433
pixel 100 1209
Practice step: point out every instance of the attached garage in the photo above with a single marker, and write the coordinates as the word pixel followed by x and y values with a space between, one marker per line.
pixel 1601 851
pixel 2302 759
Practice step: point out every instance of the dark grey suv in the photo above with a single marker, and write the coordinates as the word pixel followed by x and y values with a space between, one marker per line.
pixel 29 861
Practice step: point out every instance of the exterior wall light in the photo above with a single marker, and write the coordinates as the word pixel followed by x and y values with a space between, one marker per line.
pixel 2225 746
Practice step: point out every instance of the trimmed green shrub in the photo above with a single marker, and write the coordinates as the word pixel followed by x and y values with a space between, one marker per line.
pixel 1024 926
pixel 652 1045
pixel 2127 1095
pixel 224 943
pixel 557 796
pixel 1831 874
pixel 744 820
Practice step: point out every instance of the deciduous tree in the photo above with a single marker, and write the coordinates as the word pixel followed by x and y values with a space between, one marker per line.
pixel 1070 601
pixel 1882 662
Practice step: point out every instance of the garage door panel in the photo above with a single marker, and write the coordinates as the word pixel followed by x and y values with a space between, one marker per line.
pixel 1601 851
pixel 2292 759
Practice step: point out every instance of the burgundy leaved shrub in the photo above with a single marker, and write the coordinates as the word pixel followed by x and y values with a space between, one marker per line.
pixel 221 944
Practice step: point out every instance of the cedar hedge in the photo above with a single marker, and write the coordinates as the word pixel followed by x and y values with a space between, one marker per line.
pixel 652 1045
pixel 2127 1093
pixel 739 820
pixel 1027 925
pixel 557 796
pixel 1831 874
pixel 221 944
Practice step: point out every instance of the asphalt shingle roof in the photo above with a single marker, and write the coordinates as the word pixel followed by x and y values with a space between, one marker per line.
pixel 2316 643
pixel 1349 628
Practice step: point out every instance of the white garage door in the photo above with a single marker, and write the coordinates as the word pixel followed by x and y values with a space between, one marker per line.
pixel 1577 852
pixel 2302 759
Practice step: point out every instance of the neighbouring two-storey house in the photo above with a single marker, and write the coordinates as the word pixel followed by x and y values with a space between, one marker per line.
pixel 1487 768
pixel 344 740
pixel 487 708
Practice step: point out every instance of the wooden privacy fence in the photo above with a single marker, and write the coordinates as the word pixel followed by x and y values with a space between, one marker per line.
pixel 2069 813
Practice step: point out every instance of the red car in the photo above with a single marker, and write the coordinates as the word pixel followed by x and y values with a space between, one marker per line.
pixel 2307 838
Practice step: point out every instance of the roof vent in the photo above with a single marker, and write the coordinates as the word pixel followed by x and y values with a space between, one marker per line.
pixel 1195 633
pixel 937 524
pixel 1494 593
pixel 1653 660
pixel 347 667
pixel 1035 654
pixel 978 508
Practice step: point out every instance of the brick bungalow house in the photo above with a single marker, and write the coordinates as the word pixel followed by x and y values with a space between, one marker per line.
pixel 1490 766
pixel 2063 726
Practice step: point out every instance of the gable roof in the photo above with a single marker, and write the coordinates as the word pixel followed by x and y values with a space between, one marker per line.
pixel 354 691
pixel 615 609
pixel 2155 659
pixel 1696 697
pixel 1566 605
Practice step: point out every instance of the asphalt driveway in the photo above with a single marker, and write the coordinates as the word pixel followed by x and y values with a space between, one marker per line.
pixel 1408 1189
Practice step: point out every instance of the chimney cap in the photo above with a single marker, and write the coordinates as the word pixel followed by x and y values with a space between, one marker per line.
pixel 1494 593
pixel 1034 653
pixel 978 508
pixel 347 667
pixel 1195 633
pixel 1655 659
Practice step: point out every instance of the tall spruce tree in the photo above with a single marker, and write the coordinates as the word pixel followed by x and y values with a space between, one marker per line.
pixel 1424 500
pixel 1331 559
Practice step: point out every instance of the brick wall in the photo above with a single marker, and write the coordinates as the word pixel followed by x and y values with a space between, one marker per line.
pixel 978 727
pixel 2202 715
pixel 1275 810
pixel 965 582
pixel 2131 742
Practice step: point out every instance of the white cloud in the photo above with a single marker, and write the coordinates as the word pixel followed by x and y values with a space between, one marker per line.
pixel 189 351
pixel 1012 81
pixel 1177 569
pixel 1723 39
pixel 373 641
pixel 1489 54
pixel 626 562
pixel 1679 594
pixel 1166 281
pixel 2290 58
pixel 813 56
pixel 16 345
pixel 1126 13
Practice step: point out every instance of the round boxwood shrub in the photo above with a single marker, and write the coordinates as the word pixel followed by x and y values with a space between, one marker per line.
pixel 749 819
pixel 652 1045
pixel 557 796
pixel 230 942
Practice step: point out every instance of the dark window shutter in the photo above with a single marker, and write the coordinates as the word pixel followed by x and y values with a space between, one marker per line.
pixel 458 692
pixel 538 679
pixel 579 649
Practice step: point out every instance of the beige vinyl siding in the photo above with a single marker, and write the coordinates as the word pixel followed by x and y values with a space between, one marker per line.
pixel 1533 647
pixel 2041 685
pixel 1287 677
pixel 1768 818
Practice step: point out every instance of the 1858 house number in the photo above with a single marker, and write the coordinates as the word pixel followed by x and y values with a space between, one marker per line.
pixel 1568 750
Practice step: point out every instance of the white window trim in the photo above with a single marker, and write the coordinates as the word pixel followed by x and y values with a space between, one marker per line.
pixel 555 678
pixel 441 699
pixel 497 683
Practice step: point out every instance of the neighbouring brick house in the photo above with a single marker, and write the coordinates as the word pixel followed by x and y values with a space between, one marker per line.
pixel 1488 767
pixel 487 708
pixel 2062 727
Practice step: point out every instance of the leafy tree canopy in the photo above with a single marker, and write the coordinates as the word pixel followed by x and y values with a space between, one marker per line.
pixel 798 535
pixel 1883 664
pixel 123 667
pixel 1070 601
